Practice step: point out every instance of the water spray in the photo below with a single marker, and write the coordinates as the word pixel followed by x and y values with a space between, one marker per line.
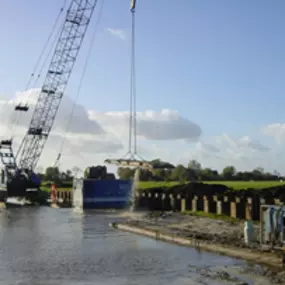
pixel 135 185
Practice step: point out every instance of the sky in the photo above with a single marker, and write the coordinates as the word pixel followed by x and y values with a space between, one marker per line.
pixel 209 78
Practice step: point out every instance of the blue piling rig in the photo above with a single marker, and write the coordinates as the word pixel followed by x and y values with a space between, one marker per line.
pixel 18 173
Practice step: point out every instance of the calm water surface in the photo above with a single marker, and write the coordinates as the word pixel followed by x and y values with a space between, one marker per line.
pixel 49 246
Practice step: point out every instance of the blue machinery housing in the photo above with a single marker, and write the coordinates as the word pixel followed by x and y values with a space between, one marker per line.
pixel 101 194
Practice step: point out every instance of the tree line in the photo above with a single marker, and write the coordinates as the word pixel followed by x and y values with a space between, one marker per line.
pixel 195 172
pixel 53 174
pixel 164 171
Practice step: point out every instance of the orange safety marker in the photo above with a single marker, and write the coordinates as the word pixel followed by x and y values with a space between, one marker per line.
pixel 53 193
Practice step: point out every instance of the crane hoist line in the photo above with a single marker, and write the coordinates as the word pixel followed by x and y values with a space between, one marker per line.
pixel 18 173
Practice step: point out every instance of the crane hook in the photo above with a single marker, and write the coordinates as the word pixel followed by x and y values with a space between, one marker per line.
pixel 133 5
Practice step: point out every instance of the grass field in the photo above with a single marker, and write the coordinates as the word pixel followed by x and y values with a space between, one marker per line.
pixel 237 185
pixel 46 188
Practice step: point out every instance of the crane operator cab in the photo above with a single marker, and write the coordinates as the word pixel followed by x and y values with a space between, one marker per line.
pixel 18 183
pixel 34 181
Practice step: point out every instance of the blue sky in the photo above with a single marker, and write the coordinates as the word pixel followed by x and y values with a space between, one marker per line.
pixel 219 63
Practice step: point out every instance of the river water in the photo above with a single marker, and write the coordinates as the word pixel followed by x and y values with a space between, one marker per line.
pixel 57 246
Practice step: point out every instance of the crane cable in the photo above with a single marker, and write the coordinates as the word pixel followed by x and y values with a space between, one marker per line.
pixel 46 44
pixel 15 117
pixel 16 120
pixel 132 112
pixel 18 115
pixel 133 74
pixel 43 65
pixel 131 118
pixel 87 59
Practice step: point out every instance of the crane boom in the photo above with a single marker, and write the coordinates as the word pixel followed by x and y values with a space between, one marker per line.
pixel 65 54
pixel 19 177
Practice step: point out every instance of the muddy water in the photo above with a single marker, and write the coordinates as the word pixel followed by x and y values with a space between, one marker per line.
pixel 50 246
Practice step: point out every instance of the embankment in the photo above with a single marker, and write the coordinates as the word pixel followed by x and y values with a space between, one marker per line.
pixel 223 237
pixel 219 189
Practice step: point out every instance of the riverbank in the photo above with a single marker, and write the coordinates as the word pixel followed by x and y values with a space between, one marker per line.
pixel 219 236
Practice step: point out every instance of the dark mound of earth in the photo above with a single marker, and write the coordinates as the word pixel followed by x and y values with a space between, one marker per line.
pixel 200 189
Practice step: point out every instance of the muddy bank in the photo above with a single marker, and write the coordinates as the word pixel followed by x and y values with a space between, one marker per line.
pixel 239 275
pixel 199 228
pixel 223 237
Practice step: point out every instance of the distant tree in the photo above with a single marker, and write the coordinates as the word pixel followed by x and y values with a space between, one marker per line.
pixel 165 171
pixel 125 173
pixel 209 174
pixel 179 173
pixel 260 170
pixel 229 172
pixel 69 175
pixel 52 174
pixel 159 164
pixel 190 175
pixel 145 175
pixel 159 173
pixel 276 173
pixel 66 175
pixel 195 165
pixel 258 173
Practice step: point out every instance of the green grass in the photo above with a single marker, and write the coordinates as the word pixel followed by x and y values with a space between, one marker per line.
pixel 236 185
pixel 48 189
pixel 152 184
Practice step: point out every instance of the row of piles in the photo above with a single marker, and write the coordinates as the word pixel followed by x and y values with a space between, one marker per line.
pixel 210 198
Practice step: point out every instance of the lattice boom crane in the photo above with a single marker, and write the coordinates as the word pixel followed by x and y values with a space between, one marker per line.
pixel 77 19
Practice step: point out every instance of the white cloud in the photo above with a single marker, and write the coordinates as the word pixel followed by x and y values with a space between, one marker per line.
pixel 117 33
pixel 206 147
pixel 220 151
pixel 241 144
pixel 277 131
pixel 229 150
pixel 80 115
pixel 94 136
pixel 243 152
pixel 85 137
pixel 151 125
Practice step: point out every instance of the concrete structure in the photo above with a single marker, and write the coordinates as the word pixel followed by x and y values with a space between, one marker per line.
pixel 272 224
